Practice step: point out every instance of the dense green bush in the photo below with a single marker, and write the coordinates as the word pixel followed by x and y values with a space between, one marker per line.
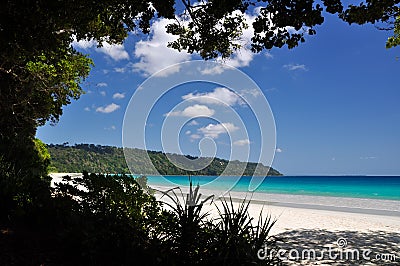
pixel 107 219
pixel 110 220
pixel 24 195
pixel 25 191
pixel 41 158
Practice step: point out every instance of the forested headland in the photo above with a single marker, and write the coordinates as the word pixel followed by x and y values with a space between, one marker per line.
pixel 110 159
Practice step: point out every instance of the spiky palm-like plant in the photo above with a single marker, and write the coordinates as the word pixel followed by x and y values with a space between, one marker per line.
pixel 189 233
pixel 237 239
pixel 231 238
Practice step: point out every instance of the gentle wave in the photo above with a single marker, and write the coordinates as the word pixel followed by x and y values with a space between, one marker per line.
pixel 372 187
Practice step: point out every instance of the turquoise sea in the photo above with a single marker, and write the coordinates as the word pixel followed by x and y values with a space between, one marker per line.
pixel 373 187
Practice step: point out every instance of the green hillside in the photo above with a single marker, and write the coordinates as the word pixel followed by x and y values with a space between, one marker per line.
pixel 109 159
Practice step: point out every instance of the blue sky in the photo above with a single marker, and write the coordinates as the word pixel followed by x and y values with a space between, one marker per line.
pixel 334 100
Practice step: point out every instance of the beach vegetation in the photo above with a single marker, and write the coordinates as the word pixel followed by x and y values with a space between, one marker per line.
pixel 101 219
pixel 239 235
pixel 190 232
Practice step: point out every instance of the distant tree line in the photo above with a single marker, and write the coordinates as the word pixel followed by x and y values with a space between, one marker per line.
pixel 109 159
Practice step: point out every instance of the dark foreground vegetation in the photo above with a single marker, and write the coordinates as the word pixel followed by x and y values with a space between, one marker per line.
pixel 109 159
pixel 111 220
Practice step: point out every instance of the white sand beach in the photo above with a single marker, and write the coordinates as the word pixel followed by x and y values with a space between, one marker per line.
pixel 317 212
pixel 319 223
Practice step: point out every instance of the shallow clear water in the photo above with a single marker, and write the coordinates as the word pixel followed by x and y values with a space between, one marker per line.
pixel 375 187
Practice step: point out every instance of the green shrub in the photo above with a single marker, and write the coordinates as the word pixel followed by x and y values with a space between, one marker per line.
pixel 42 157
pixel 108 218
pixel 24 196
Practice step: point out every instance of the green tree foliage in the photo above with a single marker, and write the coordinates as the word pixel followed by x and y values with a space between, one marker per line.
pixel 395 39
pixel 24 196
pixel 108 159
pixel 386 14
pixel 24 191
pixel 214 28
pixel 43 157
pixel 39 70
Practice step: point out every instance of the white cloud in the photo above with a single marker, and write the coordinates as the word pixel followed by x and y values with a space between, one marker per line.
pixel 118 95
pixel 154 54
pixel 108 108
pixel 216 70
pixel 149 124
pixel 110 128
pixel 194 136
pixel 188 132
pixel 240 58
pixel 103 93
pixel 214 130
pixel 120 69
pixel 87 109
pixel 368 158
pixel 270 89
pixel 218 96
pixel 294 67
pixel 268 55
pixel 278 150
pixel 84 44
pixel 150 51
pixel 101 84
pixel 193 123
pixel 242 142
pixel 252 92
pixel 193 111
pixel 116 51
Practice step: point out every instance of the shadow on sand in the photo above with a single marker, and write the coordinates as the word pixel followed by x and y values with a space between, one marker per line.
pixel 340 247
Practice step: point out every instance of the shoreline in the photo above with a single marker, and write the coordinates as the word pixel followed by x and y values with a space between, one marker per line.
pixel 272 194
pixel 315 213
pixel 299 212
pixel 305 201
